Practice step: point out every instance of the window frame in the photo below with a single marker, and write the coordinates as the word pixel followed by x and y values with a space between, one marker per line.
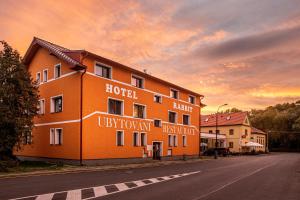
pixel 38 81
pixel 175 140
pixel 47 77
pixel 52 103
pixel 144 113
pixel 157 95
pixel 176 117
pixel 172 89
pixel 143 143
pixel 184 140
pixel 122 138
pixel 60 142
pixel 160 123
pixel 136 139
pixel 170 140
pixel 122 106
pixel 189 119
pixel 137 77
pixel 44 107
pixel 194 99
pixel 229 144
pixel 55 71
pixel 231 131
pixel 104 66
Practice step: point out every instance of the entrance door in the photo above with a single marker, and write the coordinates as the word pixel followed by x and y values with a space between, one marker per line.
pixel 156 150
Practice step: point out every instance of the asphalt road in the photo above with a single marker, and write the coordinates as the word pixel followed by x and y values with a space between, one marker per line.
pixel 275 176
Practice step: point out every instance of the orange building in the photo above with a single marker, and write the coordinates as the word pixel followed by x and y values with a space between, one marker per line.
pixel 95 109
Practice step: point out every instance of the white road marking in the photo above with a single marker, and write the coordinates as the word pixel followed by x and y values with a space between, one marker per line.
pixel 45 196
pixel 74 195
pixel 101 190
pixel 122 186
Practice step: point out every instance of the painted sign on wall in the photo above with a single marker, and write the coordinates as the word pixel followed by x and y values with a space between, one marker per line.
pixel 120 91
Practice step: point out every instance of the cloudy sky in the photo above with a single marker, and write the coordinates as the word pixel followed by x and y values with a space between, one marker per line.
pixel 242 52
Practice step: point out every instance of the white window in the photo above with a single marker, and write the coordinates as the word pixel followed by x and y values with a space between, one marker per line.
pixel 38 77
pixel 143 139
pixel 157 98
pixel 41 107
pixel 139 111
pixel 56 136
pixel 135 139
pixel 103 71
pixel 174 93
pixel 184 140
pixel 192 99
pixel 52 135
pixel 172 117
pixel 45 75
pixel 137 81
pixel 27 138
pixel 175 141
pixel 186 119
pixel 57 71
pixel 170 140
pixel 115 107
pixel 157 123
pixel 56 104
pixel 120 138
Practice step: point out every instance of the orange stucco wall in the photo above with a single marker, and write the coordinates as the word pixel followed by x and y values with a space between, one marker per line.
pixel 99 138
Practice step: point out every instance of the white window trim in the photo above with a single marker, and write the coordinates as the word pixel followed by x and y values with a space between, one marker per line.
pixel 52 110
pixel 62 136
pixel 145 110
pixel 176 116
pixel 52 139
pixel 145 142
pixel 45 70
pixel 137 76
pixel 175 140
pixel 54 75
pixel 189 121
pixel 104 65
pixel 170 142
pixel 184 142
pixel 123 140
pixel 44 106
pixel 159 96
pixel 138 139
pixel 194 99
pixel 174 90
pixel 36 78
pixel 122 110
pixel 160 122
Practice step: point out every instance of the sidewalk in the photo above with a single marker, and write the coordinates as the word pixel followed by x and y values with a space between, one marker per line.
pixel 77 169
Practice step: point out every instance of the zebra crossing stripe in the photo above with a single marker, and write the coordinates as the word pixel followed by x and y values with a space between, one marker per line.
pixel 103 190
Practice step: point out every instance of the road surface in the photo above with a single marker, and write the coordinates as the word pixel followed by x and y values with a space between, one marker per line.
pixel 274 176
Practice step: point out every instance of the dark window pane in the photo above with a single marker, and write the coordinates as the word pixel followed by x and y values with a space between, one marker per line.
pixel 115 107
pixel 172 117
pixel 186 119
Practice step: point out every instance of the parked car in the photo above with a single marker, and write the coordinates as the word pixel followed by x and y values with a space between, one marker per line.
pixel 221 152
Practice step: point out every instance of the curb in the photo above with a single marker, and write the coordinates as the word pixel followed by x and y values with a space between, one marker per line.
pixel 97 168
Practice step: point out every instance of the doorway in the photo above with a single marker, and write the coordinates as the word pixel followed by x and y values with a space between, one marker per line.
pixel 156 150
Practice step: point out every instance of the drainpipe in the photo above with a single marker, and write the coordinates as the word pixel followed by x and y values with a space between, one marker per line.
pixel 81 108
pixel 81 112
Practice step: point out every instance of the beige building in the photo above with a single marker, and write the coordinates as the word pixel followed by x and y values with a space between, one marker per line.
pixel 237 131
pixel 260 137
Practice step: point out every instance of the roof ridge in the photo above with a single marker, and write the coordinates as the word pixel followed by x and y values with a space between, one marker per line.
pixel 66 49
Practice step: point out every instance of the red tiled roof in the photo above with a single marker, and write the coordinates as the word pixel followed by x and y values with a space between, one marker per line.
pixel 224 119
pixel 256 130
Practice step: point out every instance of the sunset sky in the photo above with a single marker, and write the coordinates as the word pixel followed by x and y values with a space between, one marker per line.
pixel 242 52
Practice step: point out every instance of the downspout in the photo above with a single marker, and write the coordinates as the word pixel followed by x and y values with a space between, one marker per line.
pixel 81 109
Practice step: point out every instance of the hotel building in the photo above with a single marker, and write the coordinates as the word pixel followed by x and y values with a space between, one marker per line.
pixel 95 109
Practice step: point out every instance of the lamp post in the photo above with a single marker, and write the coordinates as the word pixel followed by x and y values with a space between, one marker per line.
pixel 216 143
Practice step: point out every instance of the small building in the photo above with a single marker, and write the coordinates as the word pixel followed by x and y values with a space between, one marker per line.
pixel 234 126
pixel 95 109
pixel 260 137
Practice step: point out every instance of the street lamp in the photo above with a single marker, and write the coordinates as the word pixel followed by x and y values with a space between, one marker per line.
pixel 216 143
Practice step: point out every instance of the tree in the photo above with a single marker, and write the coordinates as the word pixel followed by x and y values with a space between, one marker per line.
pixel 232 110
pixel 18 101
